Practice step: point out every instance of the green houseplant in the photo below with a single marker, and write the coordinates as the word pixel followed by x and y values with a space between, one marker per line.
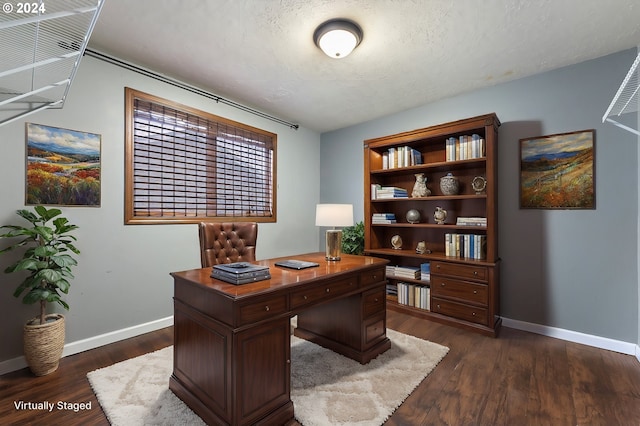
pixel 47 261
pixel 353 239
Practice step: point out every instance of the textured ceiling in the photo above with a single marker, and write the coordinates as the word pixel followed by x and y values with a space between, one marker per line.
pixel 260 53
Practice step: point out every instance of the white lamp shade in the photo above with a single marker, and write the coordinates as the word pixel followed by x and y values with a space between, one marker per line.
pixel 334 215
pixel 338 43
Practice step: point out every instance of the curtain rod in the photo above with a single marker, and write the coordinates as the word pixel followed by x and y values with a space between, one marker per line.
pixel 187 87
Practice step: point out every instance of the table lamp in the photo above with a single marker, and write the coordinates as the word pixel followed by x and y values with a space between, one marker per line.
pixel 334 215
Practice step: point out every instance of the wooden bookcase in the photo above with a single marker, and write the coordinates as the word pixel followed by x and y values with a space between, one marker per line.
pixel 464 291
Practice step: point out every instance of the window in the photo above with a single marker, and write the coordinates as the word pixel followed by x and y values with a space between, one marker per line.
pixel 183 165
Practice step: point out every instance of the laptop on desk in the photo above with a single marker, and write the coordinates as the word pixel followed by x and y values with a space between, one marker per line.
pixel 296 264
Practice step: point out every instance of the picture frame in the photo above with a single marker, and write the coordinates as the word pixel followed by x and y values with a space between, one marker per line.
pixel 558 171
pixel 63 166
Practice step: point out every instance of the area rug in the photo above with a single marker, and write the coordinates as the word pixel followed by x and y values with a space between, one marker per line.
pixel 326 388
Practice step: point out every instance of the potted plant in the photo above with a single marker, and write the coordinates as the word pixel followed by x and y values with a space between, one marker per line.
pixel 48 261
pixel 353 239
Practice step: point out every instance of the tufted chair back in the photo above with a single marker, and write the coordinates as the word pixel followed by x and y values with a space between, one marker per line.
pixel 227 242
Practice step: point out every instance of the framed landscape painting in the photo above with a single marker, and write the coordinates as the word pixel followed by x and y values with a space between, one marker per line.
pixel 63 167
pixel 557 171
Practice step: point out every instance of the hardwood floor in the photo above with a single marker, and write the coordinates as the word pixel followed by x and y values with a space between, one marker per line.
pixel 519 378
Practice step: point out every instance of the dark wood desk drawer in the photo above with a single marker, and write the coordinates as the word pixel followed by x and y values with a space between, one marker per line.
pixel 463 290
pixel 373 302
pixel 371 277
pixel 463 271
pixel 459 310
pixel 315 293
pixel 263 309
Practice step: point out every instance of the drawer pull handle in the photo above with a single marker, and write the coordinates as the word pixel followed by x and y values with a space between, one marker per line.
pixel 437 266
pixel 327 290
pixel 375 276
pixel 475 291
pixel 438 306
pixel 473 314
pixel 305 297
pixel 442 284
pixel 375 300
pixel 266 308
pixel 475 273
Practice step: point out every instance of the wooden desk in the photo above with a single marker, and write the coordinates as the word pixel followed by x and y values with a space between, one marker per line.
pixel 232 362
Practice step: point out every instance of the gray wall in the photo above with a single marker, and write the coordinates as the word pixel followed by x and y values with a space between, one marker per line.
pixel 571 269
pixel 123 275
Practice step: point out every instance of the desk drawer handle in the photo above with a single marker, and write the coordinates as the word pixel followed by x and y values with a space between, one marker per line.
pixel 442 284
pixel 473 314
pixel 266 308
pixel 375 300
pixel 475 291
pixel 327 290
pixel 305 297
pixel 475 273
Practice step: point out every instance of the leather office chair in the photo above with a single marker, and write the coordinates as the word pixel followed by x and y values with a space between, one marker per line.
pixel 227 242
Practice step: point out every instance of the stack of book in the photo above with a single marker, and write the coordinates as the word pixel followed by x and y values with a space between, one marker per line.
pixel 472 246
pixel 418 296
pixel 391 192
pixel 383 218
pixel 406 272
pixel 471 221
pixel 240 272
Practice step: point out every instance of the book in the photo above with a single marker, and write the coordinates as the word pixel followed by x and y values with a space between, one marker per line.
pixel 240 272
pixel 239 279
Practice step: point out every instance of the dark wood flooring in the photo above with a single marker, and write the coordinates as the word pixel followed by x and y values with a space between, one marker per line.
pixel 519 378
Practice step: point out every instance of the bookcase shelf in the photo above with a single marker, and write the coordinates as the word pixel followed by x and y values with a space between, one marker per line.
pixel 464 289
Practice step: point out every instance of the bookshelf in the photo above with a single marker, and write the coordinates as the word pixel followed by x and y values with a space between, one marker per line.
pixel 463 285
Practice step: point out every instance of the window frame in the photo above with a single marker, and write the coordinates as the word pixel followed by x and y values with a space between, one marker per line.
pixel 130 216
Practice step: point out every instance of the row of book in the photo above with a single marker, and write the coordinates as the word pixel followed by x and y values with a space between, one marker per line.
pixel 402 156
pixel 383 218
pixel 383 192
pixel 472 246
pixel 416 295
pixel 464 147
pixel 423 272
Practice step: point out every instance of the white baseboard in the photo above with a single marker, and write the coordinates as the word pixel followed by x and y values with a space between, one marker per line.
pixel 575 336
pixel 93 342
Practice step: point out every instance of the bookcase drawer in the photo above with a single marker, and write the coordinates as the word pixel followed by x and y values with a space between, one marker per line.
pixel 459 310
pixel 371 277
pixel 373 302
pixel 325 290
pixel 463 290
pixel 471 272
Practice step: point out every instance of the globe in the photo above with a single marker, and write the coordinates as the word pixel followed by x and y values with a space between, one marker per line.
pixel 413 216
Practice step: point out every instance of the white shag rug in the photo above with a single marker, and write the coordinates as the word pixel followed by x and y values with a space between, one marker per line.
pixel 326 388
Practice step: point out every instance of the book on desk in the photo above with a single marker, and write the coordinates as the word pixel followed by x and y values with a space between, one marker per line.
pixel 240 272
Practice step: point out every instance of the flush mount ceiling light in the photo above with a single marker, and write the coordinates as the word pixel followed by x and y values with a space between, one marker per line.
pixel 338 37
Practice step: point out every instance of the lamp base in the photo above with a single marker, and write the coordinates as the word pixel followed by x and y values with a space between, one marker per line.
pixel 334 243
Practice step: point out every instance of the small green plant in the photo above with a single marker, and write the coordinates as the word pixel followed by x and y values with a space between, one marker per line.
pixel 47 258
pixel 353 239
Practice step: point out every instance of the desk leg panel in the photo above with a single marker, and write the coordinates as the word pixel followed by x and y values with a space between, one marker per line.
pixel 231 377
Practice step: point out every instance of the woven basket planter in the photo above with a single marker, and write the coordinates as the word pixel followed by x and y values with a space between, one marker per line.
pixel 43 344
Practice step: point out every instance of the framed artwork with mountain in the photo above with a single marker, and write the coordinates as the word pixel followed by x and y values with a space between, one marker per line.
pixel 63 167
pixel 557 171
